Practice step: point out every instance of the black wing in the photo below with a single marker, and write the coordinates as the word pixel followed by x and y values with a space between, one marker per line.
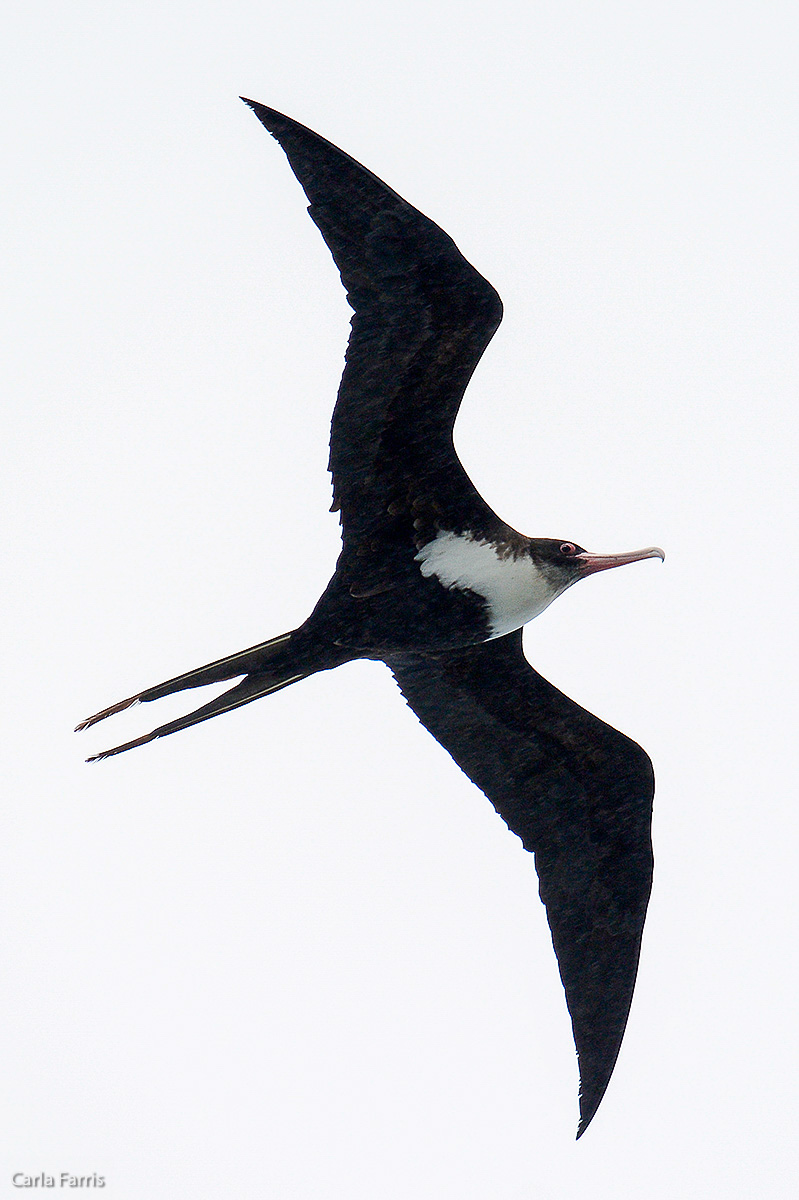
pixel 423 317
pixel 579 795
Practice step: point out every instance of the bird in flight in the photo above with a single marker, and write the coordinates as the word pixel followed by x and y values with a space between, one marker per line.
pixel 433 583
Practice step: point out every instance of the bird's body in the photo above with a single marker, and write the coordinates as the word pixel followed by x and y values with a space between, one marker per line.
pixel 431 581
pixel 511 586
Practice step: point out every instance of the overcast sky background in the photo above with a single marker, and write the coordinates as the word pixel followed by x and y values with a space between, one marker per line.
pixel 293 952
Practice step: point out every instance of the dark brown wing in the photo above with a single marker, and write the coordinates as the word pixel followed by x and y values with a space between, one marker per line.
pixel 579 795
pixel 423 317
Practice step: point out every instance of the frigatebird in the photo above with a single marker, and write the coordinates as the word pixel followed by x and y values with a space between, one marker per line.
pixel 433 583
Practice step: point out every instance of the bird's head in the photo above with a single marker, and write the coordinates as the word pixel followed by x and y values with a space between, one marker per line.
pixel 563 563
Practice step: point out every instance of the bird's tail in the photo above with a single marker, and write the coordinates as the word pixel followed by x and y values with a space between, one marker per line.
pixel 267 667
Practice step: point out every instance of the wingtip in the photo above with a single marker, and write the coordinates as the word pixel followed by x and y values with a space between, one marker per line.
pixel 277 123
pixel 589 1106
pixel 262 111
pixel 267 116
pixel 259 108
pixel 582 1127
pixel 585 1121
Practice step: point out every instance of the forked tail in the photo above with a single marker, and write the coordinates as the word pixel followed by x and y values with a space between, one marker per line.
pixel 267 667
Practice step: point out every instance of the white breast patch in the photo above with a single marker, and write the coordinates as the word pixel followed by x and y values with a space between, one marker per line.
pixel 514 589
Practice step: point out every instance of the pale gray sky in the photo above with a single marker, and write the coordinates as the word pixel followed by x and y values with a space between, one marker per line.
pixel 293 952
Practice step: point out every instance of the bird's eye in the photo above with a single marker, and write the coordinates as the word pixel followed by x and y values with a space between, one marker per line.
pixel 568 548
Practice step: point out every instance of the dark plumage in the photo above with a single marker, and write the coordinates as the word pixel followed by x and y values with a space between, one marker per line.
pixel 579 795
pixel 436 585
